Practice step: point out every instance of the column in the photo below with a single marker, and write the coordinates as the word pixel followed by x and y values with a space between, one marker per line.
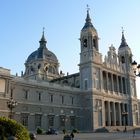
pixel 112 82
pixel 114 114
pixel 119 114
pixel 117 84
pixel 123 117
pixel 109 118
pixel 101 80
pixel 103 113
pixel 107 80
pixel 128 118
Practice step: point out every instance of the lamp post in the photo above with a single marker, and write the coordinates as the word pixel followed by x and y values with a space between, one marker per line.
pixel 136 68
pixel 11 103
pixel 124 114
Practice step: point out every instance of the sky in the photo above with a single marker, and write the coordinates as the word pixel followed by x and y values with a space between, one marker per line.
pixel 22 22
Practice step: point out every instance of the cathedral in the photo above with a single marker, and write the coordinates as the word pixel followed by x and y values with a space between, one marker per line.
pixel 101 94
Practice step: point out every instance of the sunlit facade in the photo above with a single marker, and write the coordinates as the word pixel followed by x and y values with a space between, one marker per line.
pixel 101 94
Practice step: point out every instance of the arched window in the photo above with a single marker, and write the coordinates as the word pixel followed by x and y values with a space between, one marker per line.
pixel 85 43
pixel 39 66
pixel 51 70
pixel 123 59
pixel 94 42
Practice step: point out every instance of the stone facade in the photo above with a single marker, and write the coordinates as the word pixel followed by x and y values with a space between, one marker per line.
pixel 102 93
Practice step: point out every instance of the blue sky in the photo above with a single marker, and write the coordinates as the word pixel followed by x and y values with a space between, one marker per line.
pixel 22 21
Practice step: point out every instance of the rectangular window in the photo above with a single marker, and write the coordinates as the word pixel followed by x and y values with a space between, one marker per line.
pixel 26 94
pixel 120 84
pixel 62 99
pixel 24 119
pixel 104 80
pixel 38 120
pixel 115 83
pixel 109 82
pixel 72 121
pixel 86 84
pixel 51 120
pixel 39 96
pixel 72 100
pixel 62 121
pixel 51 98
pixel 124 87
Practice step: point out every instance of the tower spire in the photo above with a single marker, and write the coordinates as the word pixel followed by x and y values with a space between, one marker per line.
pixel 88 19
pixel 43 40
pixel 43 36
pixel 123 40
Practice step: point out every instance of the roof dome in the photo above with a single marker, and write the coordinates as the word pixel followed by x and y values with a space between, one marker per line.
pixel 42 52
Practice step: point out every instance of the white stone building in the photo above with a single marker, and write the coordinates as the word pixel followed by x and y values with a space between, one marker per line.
pixel 102 93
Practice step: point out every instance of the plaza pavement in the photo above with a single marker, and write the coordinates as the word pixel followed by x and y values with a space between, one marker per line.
pixel 95 136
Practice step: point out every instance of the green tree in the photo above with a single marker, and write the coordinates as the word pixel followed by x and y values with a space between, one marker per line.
pixel 10 127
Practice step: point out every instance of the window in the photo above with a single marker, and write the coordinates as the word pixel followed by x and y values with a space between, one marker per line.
pixel 104 80
pixel 51 120
pixel 62 99
pixel 62 121
pixel 94 43
pixel 85 43
pixel 26 94
pixel 51 98
pixel 37 120
pixel 51 70
pixel 11 94
pixel 120 84
pixel 109 82
pixel 39 96
pixel 123 83
pixel 72 100
pixel 123 59
pixel 24 119
pixel 115 83
pixel 72 121
pixel 86 84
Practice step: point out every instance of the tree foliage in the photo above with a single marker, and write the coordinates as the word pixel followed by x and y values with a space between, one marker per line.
pixel 11 127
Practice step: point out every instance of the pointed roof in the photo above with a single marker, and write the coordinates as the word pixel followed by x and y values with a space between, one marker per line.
pixel 88 22
pixel 123 41
pixel 43 40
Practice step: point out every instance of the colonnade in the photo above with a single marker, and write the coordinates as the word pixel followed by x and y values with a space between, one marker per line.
pixel 112 82
pixel 116 114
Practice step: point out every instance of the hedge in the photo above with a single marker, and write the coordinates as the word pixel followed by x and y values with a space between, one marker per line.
pixel 10 127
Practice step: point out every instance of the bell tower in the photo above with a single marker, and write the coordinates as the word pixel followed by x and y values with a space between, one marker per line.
pixel 125 54
pixel 89 53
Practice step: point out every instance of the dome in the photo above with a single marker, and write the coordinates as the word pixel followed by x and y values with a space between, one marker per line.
pixel 42 53
pixel 42 64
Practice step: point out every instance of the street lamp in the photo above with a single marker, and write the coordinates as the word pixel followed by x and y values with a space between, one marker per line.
pixel 136 68
pixel 11 103
pixel 124 114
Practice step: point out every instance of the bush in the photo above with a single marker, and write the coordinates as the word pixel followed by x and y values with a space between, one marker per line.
pixel 11 127
pixel 75 130
pixel 39 131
